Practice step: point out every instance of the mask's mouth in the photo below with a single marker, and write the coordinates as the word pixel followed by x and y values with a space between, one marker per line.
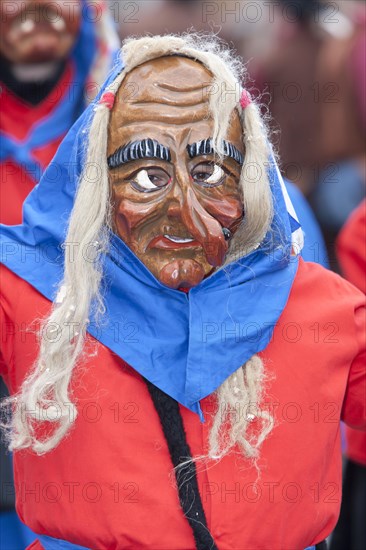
pixel 178 239
pixel 169 242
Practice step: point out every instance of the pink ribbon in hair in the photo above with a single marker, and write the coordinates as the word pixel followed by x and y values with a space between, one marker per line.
pixel 107 99
pixel 245 99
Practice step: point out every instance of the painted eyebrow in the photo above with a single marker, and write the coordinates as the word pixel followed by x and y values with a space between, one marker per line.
pixel 205 147
pixel 134 150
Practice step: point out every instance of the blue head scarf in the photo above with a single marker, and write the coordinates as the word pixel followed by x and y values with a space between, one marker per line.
pixel 185 344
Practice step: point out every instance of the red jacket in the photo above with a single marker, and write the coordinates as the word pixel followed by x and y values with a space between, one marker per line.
pixel 18 119
pixel 109 484
pixel 351 248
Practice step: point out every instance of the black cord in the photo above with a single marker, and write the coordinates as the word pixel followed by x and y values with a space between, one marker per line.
pixel 186 476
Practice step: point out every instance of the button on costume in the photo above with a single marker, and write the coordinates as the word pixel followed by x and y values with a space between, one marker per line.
pixel 191 371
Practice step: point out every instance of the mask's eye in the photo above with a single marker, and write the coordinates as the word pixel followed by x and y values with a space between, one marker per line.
pixel 208 174
pixel 149 180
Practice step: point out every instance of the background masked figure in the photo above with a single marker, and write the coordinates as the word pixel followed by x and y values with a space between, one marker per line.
pixel 166 264
pixel 53 58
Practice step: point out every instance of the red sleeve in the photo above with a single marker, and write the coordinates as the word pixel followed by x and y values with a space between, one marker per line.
pixel 351 248
pixel 8 300
pixel 354 405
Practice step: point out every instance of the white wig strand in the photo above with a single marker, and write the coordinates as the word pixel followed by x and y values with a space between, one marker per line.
pixel 46 393
pixel 239 407
pixel 254 184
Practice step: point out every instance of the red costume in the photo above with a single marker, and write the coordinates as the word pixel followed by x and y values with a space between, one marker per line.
pixel 352 256
pixel 98 489
pixel 16 181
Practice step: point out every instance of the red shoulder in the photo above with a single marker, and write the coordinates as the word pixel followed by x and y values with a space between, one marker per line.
pixel 20 306
pixel 313 280
pixel 15 291
pixel 351 247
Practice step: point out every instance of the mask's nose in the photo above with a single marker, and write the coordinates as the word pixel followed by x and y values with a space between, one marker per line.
pixel 184 205
pixel 176 200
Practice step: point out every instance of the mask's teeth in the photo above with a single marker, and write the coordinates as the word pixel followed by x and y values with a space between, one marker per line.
pixel 178 239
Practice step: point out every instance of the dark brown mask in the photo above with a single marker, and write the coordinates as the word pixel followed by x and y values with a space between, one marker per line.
pixel 172 198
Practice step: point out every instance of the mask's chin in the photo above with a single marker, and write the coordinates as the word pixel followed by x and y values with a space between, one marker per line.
pixel 182 273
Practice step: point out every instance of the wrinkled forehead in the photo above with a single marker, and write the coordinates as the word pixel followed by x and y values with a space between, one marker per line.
pixel 172 88
pixel 167 97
